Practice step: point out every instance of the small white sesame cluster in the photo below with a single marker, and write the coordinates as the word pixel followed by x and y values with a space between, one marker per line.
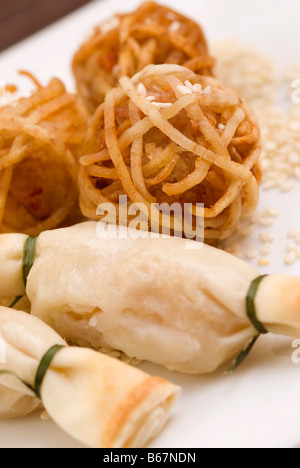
pixel 290 74
pixel 281 149
pixel 254 76
pixel 143 92
pixel 267 217
pixel 189 88
pixel 251 253
pixel 247 71
pixel 267 239
pixel 292 247
pixel 174 27
pixel 120 355
pixel 184 89
pixel 246 228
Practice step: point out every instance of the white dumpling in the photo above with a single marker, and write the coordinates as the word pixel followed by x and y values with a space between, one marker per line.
pixel 14 404
pixel 160 300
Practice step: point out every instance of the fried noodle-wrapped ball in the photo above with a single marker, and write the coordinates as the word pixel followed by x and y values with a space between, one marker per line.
pixel 153 34
pixel 169 135
pixel 40 138
pixel 98 400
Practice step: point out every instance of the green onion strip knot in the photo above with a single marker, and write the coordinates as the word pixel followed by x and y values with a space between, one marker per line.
pixel 41 371
pixel 251 314
pixel 27 263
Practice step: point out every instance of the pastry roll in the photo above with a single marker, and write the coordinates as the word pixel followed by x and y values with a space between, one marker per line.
pixel 98 400
pixel 125 44
pixel 156 299
pixel 14 404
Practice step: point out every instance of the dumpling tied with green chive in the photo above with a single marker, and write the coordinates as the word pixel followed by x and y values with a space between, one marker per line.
pixel 167 300
pixel 98 400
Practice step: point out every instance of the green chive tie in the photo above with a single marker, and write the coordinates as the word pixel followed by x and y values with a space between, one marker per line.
pixel 41 371
pixel 29 251
pixel 251 314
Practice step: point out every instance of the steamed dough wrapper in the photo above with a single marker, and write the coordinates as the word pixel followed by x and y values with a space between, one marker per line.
pixel 40 137
pixel 124 45
pixel 98 400
pixel 14 403
pixel 153 299
pixel 170 136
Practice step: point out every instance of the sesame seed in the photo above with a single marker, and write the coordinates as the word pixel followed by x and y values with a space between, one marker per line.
pixel 189 84
pixel 297 173
pixel 269 184
pixel 174 27
pixel 266 249
pixel 270 145
pixel 221 126
pixel 255 77
pixel 251 253
pixel 272 212
pixel 291 247
pixel 184 90
pixel 287 185
pixel 197 88
pixel 263 262
pixel 266 221
pixel 294 158
pixel 290 258
pixel 295 126
pixel 151 98
pixel 266 237
pixel 292 233
pixel 142 90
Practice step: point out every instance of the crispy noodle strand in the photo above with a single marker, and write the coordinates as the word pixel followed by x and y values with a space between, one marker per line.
pixel 184 144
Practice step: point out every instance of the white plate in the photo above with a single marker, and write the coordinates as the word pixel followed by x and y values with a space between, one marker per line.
pixel 258 406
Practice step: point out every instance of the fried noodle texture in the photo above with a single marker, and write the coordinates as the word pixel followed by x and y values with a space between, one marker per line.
pixel 153 34
pixel 169 135
pixel 40 137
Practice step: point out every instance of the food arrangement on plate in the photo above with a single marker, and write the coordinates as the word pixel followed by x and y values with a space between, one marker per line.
pixel 153 124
